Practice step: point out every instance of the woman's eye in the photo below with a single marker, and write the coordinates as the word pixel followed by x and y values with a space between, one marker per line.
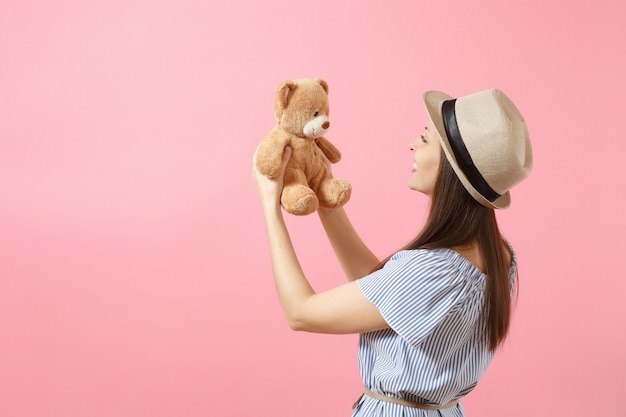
pixel 423 138
pixel 315 114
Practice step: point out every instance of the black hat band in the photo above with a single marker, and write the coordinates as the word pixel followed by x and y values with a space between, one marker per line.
pixel 461 153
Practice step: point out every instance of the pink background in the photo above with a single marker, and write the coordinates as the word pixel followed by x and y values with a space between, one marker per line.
pixel 134 272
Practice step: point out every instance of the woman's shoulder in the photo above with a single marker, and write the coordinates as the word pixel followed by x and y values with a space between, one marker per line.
pixel 431 258
pixel 417 254
pixel 449 258
pixel 511 255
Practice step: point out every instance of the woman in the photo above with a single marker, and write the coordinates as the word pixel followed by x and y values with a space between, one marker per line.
pixel 432 315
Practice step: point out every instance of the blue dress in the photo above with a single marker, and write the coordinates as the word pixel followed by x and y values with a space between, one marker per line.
pixel 437 347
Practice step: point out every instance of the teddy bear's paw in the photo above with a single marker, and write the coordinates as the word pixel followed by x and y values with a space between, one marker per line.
pixel 299 200
pixel 334 193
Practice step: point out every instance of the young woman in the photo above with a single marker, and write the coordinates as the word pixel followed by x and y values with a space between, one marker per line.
pixel 432 315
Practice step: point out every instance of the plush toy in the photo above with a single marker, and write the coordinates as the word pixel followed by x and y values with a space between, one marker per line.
pixel 301 110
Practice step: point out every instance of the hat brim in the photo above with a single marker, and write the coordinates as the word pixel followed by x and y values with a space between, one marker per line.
pixel 433 101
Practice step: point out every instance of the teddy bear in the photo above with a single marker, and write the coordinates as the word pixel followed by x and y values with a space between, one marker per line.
pixel 301 109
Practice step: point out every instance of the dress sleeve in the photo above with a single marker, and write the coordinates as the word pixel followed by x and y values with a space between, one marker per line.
pixel 415 291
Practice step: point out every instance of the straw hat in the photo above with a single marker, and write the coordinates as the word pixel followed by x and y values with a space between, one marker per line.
pixel 485 139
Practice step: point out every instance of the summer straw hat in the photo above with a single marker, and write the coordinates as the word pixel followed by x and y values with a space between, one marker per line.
pixel 485 139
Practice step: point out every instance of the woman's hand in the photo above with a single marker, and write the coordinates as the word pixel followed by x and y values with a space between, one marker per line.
pixel 269 189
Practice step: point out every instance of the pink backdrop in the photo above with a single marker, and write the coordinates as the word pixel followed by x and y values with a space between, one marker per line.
pixel 134 271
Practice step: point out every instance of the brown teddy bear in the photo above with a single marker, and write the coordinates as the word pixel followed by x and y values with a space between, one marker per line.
pixel 301 110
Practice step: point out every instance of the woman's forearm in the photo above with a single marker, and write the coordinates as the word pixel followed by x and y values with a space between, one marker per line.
pixel 291 284
pixel 356 259
pixel 341 310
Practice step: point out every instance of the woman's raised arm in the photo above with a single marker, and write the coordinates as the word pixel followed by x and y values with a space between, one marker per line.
pixel 356 259
pixel 341 310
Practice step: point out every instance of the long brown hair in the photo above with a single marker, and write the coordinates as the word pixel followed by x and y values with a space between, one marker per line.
pixel 457 219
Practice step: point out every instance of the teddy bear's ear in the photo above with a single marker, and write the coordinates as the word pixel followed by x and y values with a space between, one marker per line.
pixel 323 83
pixel 284 93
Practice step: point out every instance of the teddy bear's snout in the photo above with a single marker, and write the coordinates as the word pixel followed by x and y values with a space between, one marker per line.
pixel 326 124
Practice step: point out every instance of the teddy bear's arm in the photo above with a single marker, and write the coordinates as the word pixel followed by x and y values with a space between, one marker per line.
pixel 270 153
pixel 331 152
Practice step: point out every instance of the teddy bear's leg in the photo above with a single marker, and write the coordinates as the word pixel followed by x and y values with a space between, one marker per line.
pixel 297 198
pixel 334 192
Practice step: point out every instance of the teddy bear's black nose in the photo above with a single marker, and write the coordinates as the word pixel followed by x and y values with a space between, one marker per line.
pixel 326 124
